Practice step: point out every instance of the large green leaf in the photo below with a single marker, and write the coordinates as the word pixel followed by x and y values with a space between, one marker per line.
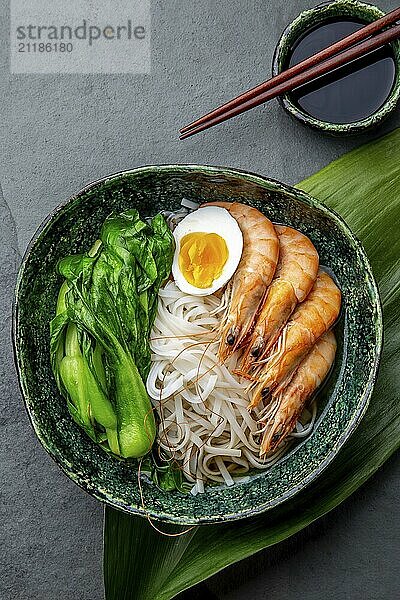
pixel 364 187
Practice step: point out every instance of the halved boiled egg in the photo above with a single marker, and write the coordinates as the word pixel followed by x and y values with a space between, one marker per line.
pixel 209 245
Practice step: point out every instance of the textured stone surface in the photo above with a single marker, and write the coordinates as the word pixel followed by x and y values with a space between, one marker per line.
pixel 60 132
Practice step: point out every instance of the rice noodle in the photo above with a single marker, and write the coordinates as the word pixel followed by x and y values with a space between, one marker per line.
pixel 202 406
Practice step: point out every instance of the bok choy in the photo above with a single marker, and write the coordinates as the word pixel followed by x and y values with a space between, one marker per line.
pixel 99 345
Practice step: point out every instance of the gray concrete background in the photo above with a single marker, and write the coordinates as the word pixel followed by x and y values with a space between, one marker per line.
pixel 58 133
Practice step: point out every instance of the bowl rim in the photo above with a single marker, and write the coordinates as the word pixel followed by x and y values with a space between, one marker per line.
pixel 108 498
pixel 301 21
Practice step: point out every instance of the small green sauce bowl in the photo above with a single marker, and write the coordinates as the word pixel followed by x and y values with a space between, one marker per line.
pixel 316 16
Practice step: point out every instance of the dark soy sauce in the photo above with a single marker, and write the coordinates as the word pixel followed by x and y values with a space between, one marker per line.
pixel 351 93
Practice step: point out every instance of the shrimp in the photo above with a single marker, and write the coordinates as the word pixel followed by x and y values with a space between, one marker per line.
pixel 294 277
pixel 287 407
pixel 311 319
pixel 252 277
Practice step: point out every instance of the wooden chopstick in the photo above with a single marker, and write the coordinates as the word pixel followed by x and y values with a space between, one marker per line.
pixel 324 61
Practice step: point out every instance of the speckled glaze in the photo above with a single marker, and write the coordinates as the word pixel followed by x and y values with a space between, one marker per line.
pixel 74 226
pixel 315 16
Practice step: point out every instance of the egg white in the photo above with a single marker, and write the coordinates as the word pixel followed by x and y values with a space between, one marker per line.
pixel 209 219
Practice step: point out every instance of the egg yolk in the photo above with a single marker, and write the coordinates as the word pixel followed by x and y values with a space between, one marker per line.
pixel 202 257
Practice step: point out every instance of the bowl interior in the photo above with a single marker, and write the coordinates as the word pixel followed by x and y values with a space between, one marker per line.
pixel 346 9
pixel 75 226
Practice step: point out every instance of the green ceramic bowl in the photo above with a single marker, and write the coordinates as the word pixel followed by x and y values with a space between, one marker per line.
pixel 311 18
pixel 74 226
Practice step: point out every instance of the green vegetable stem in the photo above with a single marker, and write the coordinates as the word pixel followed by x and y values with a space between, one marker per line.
pixel 137 428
